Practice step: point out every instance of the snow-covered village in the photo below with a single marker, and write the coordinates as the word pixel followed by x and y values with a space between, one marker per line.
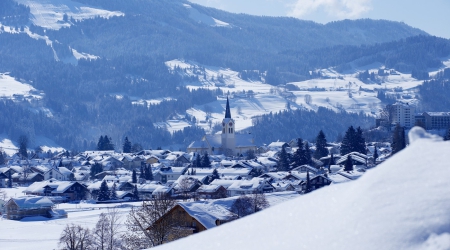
pixel 225 124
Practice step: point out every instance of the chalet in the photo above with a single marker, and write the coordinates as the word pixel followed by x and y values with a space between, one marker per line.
pixel 282 186
pixel 29 178
pixel 130 161
pixel 150 190
pixel 151 160
pixel 357 159
pixel 212 192
pixel 306 168
pixel 165 174
pixel 186 184
pixel 28 206
pixel 242 187
pixel 54 173
pixel 316 182
pixel 58 191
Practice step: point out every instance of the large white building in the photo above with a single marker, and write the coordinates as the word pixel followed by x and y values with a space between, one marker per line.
pixel 228 142
pixel 403 114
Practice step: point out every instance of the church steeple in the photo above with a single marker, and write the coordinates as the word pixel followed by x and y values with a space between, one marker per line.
pixel 227 111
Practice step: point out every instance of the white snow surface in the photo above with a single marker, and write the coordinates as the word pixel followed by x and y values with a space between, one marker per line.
pixel 203 18
pixel 11 88
pixel 49 13
pixel 401 204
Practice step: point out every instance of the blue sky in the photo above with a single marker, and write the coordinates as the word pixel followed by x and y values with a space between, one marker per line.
pixel 432 16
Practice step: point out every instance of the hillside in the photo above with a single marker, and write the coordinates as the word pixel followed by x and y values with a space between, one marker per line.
pixel 145 69
pixel 401 204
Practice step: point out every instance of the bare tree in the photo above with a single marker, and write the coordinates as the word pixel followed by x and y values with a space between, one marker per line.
pixel 106 234
pixel 242 206
pixel 184 186
pixel 100 234
pixel 3 195
pixel 148 227
pixel 259 201
pixel 75 237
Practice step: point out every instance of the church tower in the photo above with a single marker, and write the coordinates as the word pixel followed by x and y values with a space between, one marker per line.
pixel 228 131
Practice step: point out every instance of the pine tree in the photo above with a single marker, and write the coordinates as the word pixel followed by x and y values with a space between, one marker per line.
pixel 360 142
pixel 23 143
pixel 215 175
pixel 206 163
pixel 113 195
pixel 198 162
pixel 142 173
pixel 348 165
pixel 126 146
pixel 298 158
pixel 103 194
pixel 308 183
pixel 398 139
pixel 348 142
pixel 283 161
pixel 148 173
pixel 135 193
pixel 2 158
pixel 100 144
pixel 375 155
pixel 321 146
pixel 447 135
pixel 95 169
pixel 134 177
pixel 308 158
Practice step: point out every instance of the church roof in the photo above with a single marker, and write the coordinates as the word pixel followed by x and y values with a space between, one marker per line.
pixel 227 111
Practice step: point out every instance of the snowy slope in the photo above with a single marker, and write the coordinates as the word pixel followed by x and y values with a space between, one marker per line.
pixel 401 204
pixel 203 18
pixel 49 13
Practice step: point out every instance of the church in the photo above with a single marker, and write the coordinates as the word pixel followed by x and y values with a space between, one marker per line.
pixel 227 143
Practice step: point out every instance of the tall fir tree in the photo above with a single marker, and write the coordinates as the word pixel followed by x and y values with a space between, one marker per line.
pixel 308 157
pixel 447 135
pixel 348 142
pixel 135 193
pixel 113 193
pixel 100 143
pixel 198 161
pixel 348 165
pixel 215 175
pixel 360 142
pixel 103 194
pixel 321 146
pixel 142 173
pixel 2 158
pixel 283 160
pixel 206 163
pixel 96 169
pixel 148 173
pixel 375 155
pixel 298 158
pixel 134 177
pixel 398 139
pixel 308 183
pixel 126 146
pixel 23 144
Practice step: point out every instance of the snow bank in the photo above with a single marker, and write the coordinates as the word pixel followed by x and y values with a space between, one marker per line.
pixel 401 204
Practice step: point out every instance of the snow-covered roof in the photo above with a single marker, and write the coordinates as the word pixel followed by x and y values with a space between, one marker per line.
pixel 32 202
pixel 57 186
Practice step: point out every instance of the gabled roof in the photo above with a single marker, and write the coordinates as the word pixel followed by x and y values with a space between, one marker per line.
pixel 32 202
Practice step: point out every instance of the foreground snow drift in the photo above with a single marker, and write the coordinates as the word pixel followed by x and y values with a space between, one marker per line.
pixel 402 204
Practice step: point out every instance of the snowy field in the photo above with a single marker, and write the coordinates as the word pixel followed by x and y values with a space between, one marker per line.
pixel 49 13
pixel 12 89
pixel 400 204
pixel 46 144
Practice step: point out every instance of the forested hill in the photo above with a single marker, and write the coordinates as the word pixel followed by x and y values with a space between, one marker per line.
pixel 88 98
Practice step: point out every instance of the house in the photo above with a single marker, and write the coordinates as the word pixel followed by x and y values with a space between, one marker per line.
pixel 242 187
pixel 186 184
pixel 29 178
pixel 306 168
pixel 316 182
pixel 149 190
pixel 165 174
pixel 58 191
pixel 54 173
pixel 28 206
pixel 357 159
pixel 212 192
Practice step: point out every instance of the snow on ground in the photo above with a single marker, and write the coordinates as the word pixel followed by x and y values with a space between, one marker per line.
pixel 12 89
pixel 49 13
pixel 46 144
pixel 203 18
pixel 173 125
pixel 400 204
pixel 7 145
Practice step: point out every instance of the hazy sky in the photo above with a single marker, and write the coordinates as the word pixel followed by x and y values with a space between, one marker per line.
pixel 432 16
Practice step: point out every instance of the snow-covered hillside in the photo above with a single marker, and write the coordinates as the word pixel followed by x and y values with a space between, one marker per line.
pixel 205 19
pixel 13 89
pixel 49 13
pixel 401 204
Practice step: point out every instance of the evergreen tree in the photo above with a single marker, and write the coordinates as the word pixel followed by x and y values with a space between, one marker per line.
pixel 126 146
pixel 398 139
pixel 308 158
pixel 298 158
pixel 375 155
pixel 105 143
pixel 198 162
pixel 103 194
pixel 100 143
pixel 142 173
pixel 2 158
pixel 283 161
pixel 215 175
pixel 347 145
pixel 348 165
pixel 206 163
pixel 321 146
pixel 113 195
pixel 331 161
pixel 96 169
pixel 23 143
pixel 308 183
pixel 135 193
pixel 447 135
pixel 10 182
pixel 148 173
pixel 360 142
pixel 134 177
